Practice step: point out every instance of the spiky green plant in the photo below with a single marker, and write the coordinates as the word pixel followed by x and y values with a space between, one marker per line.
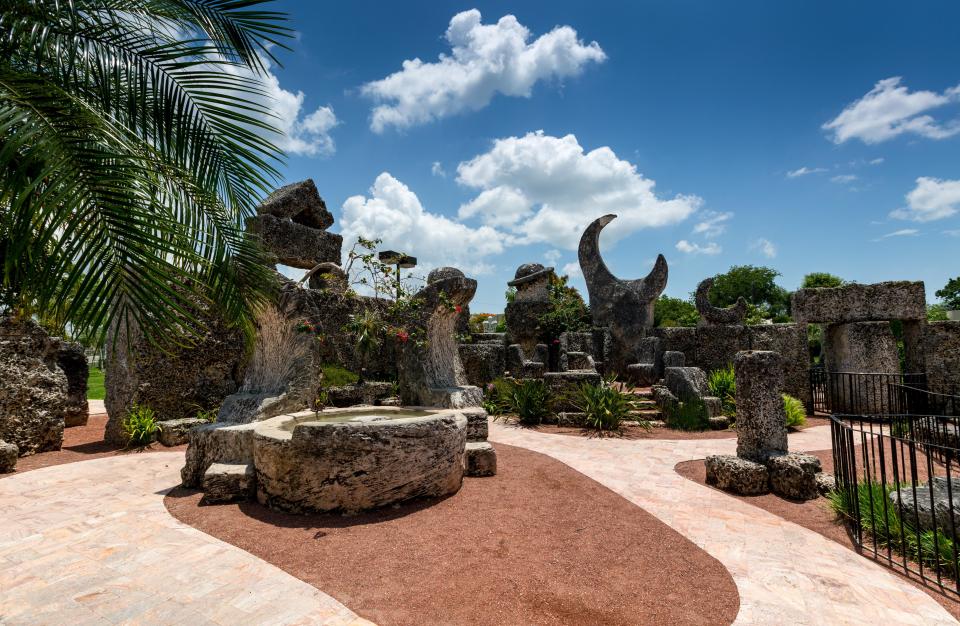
pixel 605 406
pixel 140 426
pixel 796 412
pixel 723 385
pixel 530 399
pixel 135 141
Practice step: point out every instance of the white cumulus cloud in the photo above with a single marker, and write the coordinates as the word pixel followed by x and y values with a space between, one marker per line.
pixel 713 224
pixel 573 270
pixel 688 247
pixel 889 110
pixel 548 189
pixel 765 247
pixel 484 59
pixel 437 169
pixel 932 199
pixel 393 213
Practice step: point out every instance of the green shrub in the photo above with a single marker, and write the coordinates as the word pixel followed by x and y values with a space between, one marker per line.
pixel 140 426
pixel 605 406
pixel 207 415
pixel 336 376
pixel 796 412
pixel 530 399
pixel 689 414
pixel 723 385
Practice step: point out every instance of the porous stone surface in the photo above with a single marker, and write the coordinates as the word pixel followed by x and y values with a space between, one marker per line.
pixel 940 512
pixel 294 244
pixel 737 475
pixel 73 362
pixel 895 300
pixel 328 277
pixel 229 482
pixel 176 432
pixel 794 475
pixel 715 316
pixel 576 361
pixel 860 347
pixel 673 358
pixel 490 338
pixel 245 407
pixel 761 419
pixel 358 465
pixel 33 387
pixel 479 459
pixel 367 392
pixel 825 483
pixel 642 374
pixel 174 381
pixel 790 341
pixel 216 443
pixel 664 398
pixel 686 382
pixel 563 386
pixel 527 364
pixel 623 306
pixel 477 425
pixel 719 422
pixel 299 202
pixel 941 353
pixel 8 457
pixel 483 362
pixel 713 406
pixel 430 372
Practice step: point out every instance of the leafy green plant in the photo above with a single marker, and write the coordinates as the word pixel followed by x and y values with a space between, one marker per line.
pixel 604 405
pixel 796 412
pixel 690 414
pixel 669 312
pixel 367 329
pixel 530 399
pixel 567 312
pixel 140 426
pixel 207 415
pixel 723 385
pixel 336 375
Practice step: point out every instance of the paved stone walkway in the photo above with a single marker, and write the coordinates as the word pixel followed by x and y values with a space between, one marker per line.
pixel 785 574
pixel 91 543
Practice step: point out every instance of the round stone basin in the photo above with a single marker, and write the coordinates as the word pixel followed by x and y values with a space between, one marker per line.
pixel 358 458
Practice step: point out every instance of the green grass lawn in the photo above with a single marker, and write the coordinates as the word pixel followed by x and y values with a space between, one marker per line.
pixel 95 389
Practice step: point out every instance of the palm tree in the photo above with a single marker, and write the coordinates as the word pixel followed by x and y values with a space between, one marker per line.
pixel 134 141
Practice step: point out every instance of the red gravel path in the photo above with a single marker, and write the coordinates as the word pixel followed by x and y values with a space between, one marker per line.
pixel 537 544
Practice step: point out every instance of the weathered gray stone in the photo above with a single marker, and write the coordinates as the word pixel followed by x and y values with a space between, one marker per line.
pixel 716 316
pixel 737 475
pixel 216 443
pixel 642 374
pixel 73 362
pixel 794 475
pixel 571 361
pixel 563 386
pixel 176 432
pixel 624 306
pixel 8 457
pixel 761 419
pixel 825 483
pixel 896 300
pixel 713 406
pixel 940 513
pixel 860 347
pixel 299 202
pixel 174 381
pixel 431 373
pixel 479 459
pixel 33 387
pixel 477 426
pixel 357 465
pixel 664 398
pixel 941 353
pixel 673 358
pixel 719 422
pixel 367 392
pixel 330 277
pixel 483 362
pixel 294 244
pixel 525 365
pixel 229 482
pixel 244 407
pixel 790 341
pixel 490 338
pixel 686 382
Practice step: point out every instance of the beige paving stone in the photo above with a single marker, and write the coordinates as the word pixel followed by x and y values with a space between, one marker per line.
pixel 91 543
pixel 785 574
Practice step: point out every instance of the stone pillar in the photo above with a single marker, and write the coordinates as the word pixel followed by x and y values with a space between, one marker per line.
pixel 761 420
pixel 860 347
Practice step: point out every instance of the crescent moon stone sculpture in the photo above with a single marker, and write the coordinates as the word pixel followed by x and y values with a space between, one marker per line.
pixel 715 316
pixel 625 306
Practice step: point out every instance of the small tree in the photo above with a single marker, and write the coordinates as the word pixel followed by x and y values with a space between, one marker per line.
pixel 821 279
pixel 756 285
pixel 669 311
pixel 950 294
pixel 568 311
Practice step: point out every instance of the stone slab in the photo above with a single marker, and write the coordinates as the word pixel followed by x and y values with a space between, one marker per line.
pixel 479 459
pixel 176 432
pixel 895 300
pixel 737 475
pixel 294 244
pixel 229 482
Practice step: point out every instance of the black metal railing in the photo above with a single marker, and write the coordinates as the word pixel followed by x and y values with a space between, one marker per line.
pixel 926 402
pixel 862 393
pixel 897 486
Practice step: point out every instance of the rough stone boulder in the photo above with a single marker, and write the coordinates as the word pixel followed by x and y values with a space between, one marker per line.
pixel 716 316
pixel 177 432
pixel 216 443
pixel 940 512
pixel 8 457
pixel 294 244
pixel 761 419
pixel 826 483
pixel 794 475
pixel 73 362
pixel 479 459
pixel 895 300
pixel 229 482
pixel 731 473
pixel 299 202
pixel 477 426
pixel 368 392
pixel 175 381
pixel 686 382
pixel 563 386
pixel 483 362
pixel 33 388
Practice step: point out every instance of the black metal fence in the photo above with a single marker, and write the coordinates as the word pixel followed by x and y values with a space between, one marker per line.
pixel 856 393
pixel 897 485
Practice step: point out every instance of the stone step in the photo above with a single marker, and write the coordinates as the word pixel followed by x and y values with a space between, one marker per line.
pixel 229 482
pixel 176 432
pixel 479 459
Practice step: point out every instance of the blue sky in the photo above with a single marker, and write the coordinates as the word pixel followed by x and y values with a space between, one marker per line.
pixel 770 133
